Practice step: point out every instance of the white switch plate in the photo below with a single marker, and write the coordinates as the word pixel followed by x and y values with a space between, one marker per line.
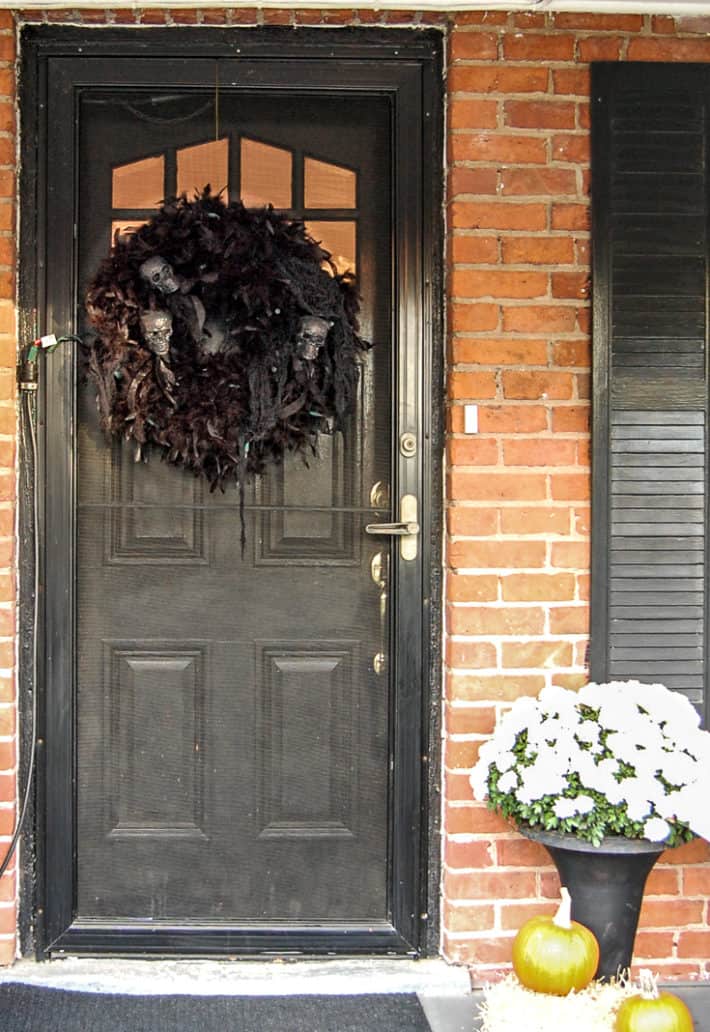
pixel 470 419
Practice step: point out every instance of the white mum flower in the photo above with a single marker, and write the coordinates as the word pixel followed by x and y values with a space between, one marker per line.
pixel 665 806
pixel 701 825
pixel 572 807
pixel 587 768
pixel 479 781
pixel 587 731
pixel 503 739
pixel 613 792
pixel 569 755
pixel 637 806
pixel 523 714
pixel 690 803
pixel 655 790
pixel 697 744
pixel 622 746
pixel 554 698
pixel 538 781
pixel 647 763
pixel 565 807
pixel 647 733
pixel 505 760
pixel 488 752
pixel 676 736
pixel 606 785
pixel 678 767
pixel 619 714
pixel 508 782
pixel 591 694
pixel 529 792
pixel 608 766
pixel 551 730
pixel 656 829
pixel 550 760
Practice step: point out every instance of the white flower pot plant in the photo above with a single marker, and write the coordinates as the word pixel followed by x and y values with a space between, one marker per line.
pixel 606 779
pixel 622 758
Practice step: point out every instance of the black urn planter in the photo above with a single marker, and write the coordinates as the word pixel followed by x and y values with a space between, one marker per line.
pixel 606 884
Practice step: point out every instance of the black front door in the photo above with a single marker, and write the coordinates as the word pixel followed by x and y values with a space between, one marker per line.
pixel 234 740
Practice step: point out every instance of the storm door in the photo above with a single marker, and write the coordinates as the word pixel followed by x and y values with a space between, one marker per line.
pixel 235 740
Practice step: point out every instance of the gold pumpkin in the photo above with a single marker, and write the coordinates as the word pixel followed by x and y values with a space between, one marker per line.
pixel 651 1011
pixel 555 954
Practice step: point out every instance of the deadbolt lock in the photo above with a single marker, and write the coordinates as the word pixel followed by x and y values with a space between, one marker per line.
pixel 408 445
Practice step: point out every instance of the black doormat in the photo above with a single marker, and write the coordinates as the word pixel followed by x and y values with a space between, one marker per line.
pixel 29 1008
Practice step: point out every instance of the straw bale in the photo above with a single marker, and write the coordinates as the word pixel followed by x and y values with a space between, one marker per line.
pixel 510 1007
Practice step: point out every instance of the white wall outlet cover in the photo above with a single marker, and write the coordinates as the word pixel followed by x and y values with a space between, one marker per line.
pixel 470 419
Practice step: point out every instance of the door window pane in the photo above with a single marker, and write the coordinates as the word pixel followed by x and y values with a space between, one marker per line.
pixel 329 186
pixel 340 238
pixel 140 184
pixel 266 175
pixel 205 163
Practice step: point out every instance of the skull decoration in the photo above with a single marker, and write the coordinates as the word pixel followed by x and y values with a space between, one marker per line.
pixel 311 336
pixel 157 327
pixel 159 274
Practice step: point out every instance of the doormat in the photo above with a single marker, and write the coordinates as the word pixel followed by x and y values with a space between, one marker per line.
pixel 27 1008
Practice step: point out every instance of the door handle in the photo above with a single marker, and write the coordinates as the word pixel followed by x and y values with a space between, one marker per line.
pixel 406 528
pixel 394 529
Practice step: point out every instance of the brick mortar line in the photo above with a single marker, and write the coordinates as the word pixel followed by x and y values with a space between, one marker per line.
pixel 522 640
pixel 517 302
pixel 530 436
pixel 496 604
pixel 525 268
pixel 512 505
pixel 516 468
pixel 483 232
pixel 553 32
pixel 532 367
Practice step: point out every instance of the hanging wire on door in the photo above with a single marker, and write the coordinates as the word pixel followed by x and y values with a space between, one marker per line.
pixel 29 384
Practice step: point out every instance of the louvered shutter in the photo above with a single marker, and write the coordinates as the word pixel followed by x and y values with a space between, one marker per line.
pixel 650 405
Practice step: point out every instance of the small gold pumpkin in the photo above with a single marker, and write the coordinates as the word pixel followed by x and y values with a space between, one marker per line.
pixel 653 1011
pixel 555 954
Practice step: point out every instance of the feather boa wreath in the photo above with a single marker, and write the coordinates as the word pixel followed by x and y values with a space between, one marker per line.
pixel 224 337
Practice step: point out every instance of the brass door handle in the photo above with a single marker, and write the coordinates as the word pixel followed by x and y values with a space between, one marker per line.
pixel 395 529
pixel 406 528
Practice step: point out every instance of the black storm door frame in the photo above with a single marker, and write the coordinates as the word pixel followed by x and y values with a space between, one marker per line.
pixel 405 68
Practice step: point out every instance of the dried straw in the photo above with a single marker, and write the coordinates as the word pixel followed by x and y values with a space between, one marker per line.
pixel 510 1007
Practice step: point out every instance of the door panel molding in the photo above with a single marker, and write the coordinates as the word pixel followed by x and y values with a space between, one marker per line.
pixel 58 62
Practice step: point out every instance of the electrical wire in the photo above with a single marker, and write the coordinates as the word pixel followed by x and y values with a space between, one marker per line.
pixel 28 390
pixel 29 416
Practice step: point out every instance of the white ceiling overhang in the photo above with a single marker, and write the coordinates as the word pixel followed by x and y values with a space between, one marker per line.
pixel 673 7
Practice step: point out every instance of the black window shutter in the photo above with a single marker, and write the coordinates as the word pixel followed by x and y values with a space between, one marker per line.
pixel 650 405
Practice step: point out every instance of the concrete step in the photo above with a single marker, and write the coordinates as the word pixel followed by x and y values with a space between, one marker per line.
pixel 443 990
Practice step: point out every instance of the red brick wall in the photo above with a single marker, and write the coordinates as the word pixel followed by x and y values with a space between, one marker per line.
pixel 518 491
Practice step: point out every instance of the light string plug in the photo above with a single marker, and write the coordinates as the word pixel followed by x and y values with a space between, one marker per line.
pixel 29 379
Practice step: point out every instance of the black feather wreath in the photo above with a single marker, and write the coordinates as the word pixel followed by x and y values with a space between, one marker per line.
pixel 236 343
